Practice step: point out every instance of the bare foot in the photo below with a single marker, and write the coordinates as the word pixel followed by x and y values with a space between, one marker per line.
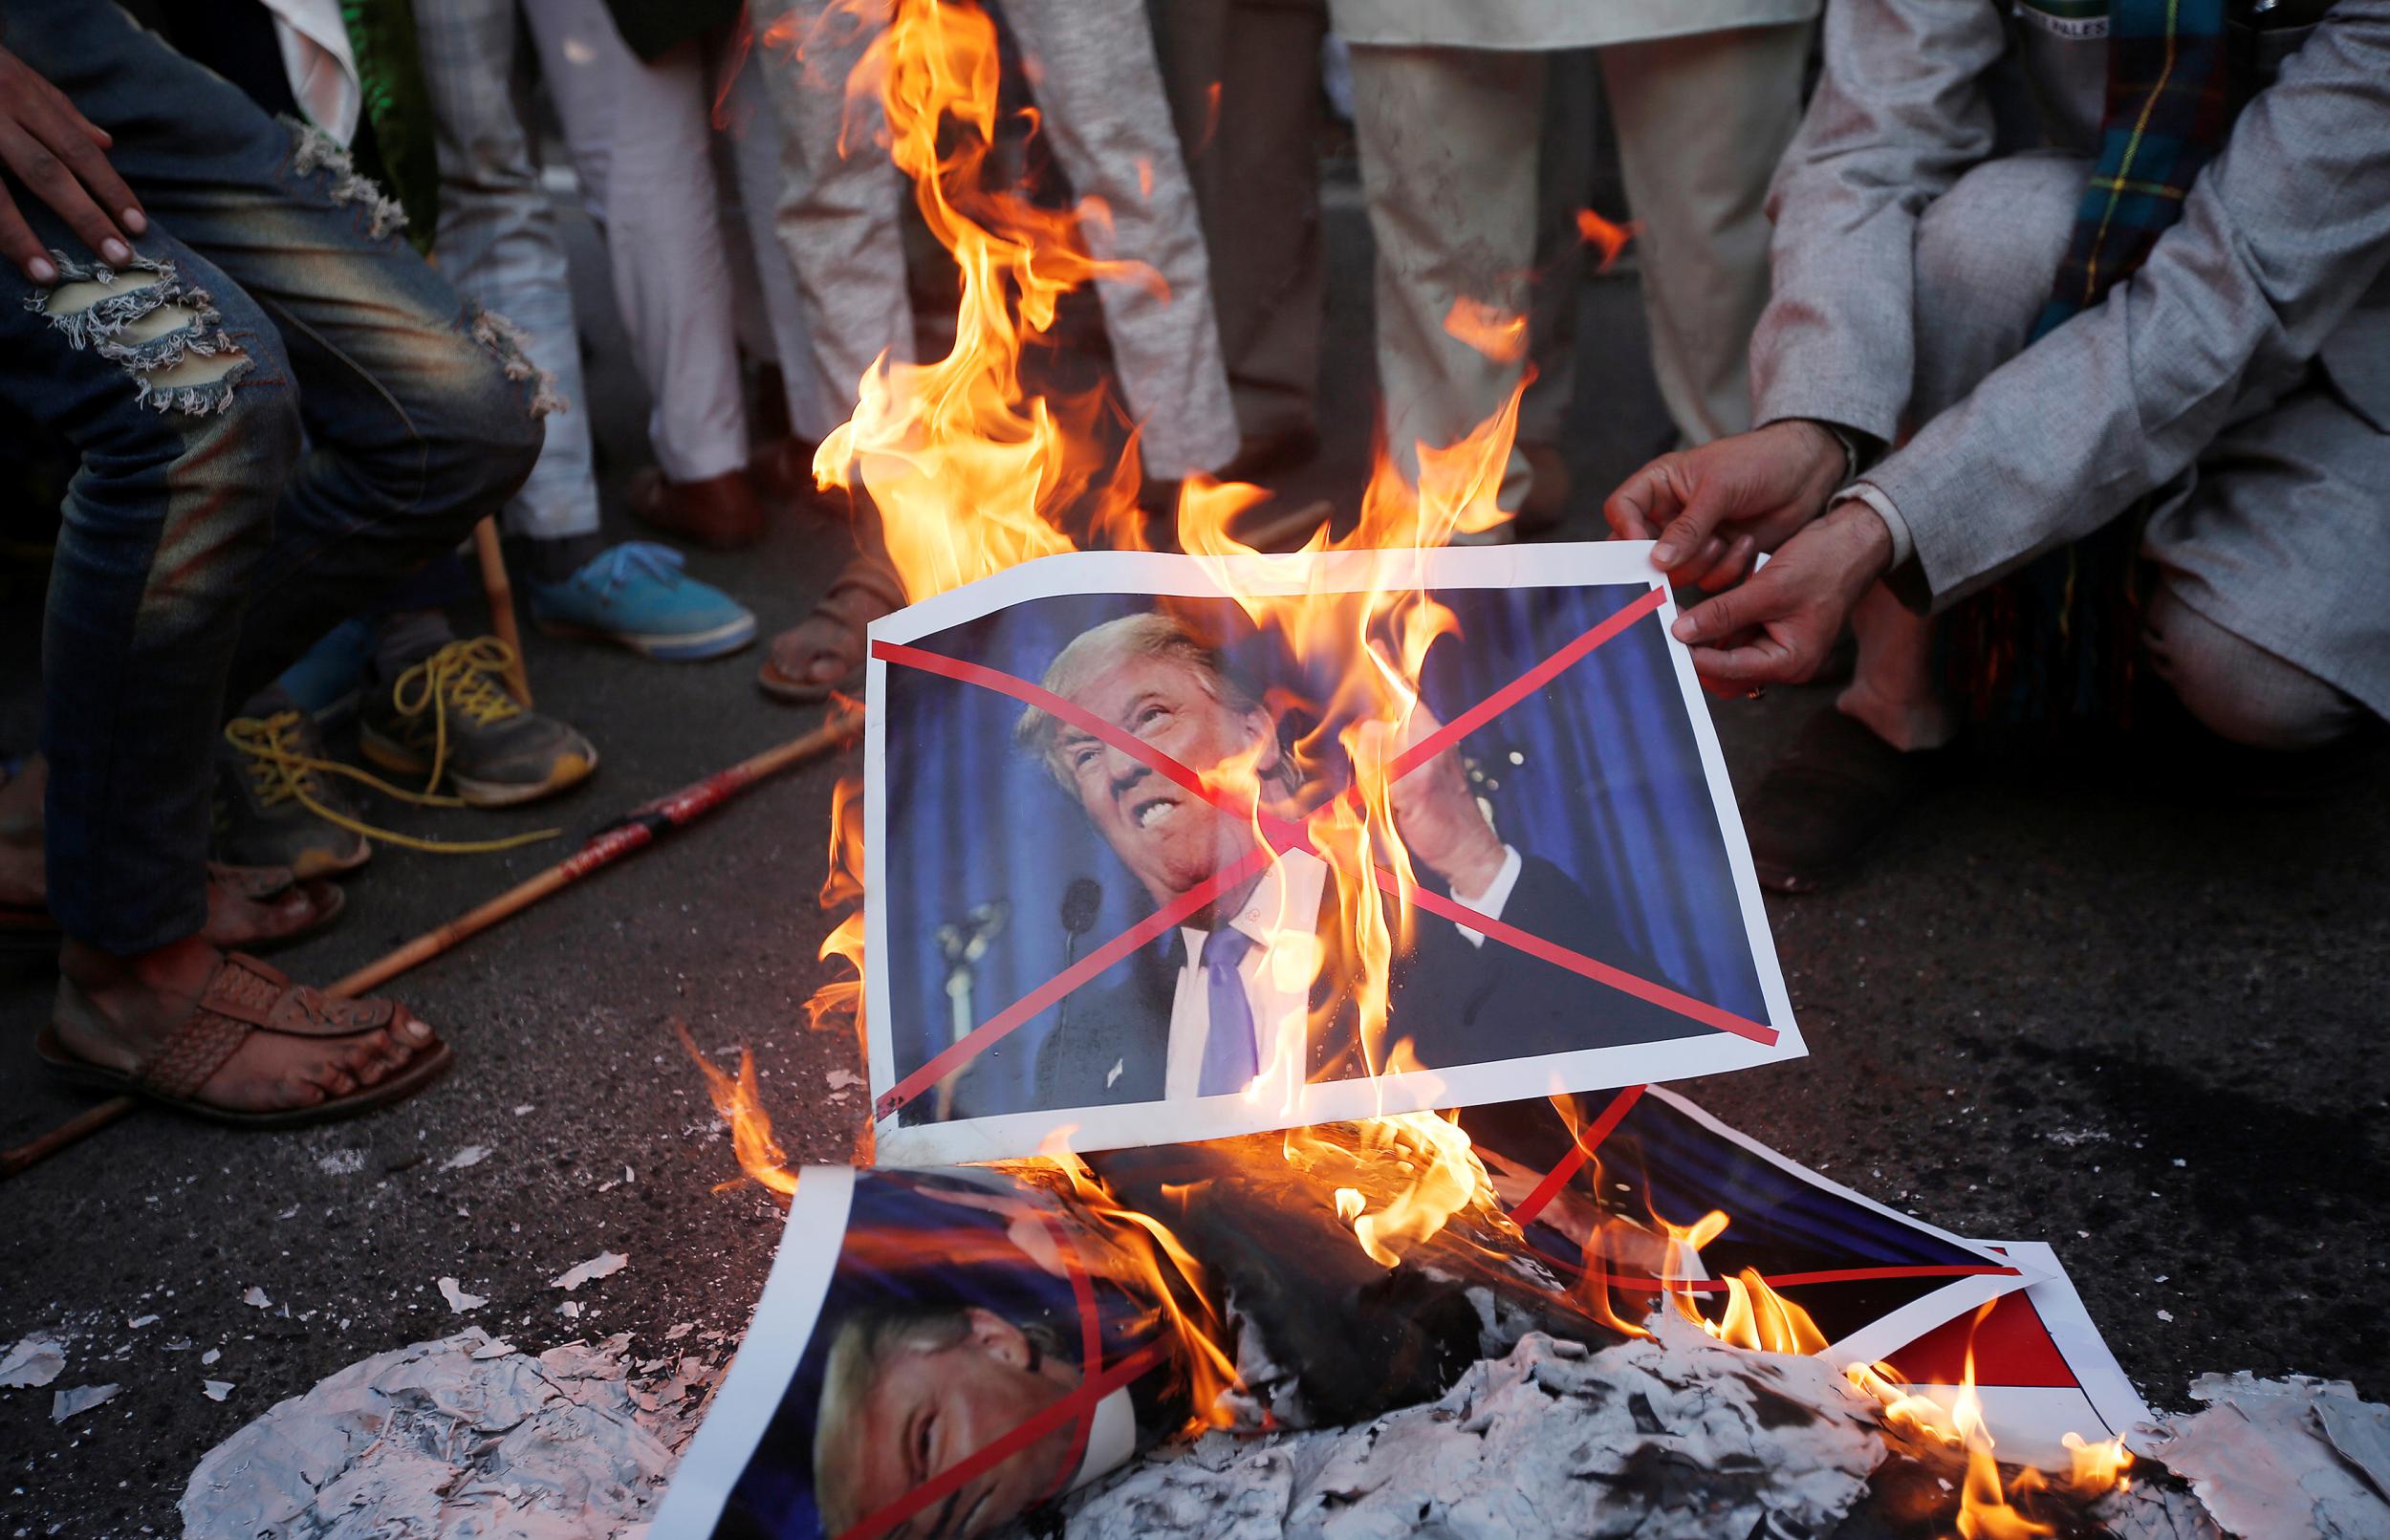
pixel 251 906
pixel 118 1011
pixel 825 650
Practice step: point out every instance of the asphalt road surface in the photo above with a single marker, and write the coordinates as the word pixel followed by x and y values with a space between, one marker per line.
pixel 2092 1002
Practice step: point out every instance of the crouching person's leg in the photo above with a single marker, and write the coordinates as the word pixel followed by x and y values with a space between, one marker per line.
pixel 2238 690
pixel 422 412
pixel 2267 620
pixel 174 389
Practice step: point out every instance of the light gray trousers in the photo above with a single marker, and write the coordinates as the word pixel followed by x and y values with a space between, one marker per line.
pixel 497 239
pixel 1092 73
pixel 1452 143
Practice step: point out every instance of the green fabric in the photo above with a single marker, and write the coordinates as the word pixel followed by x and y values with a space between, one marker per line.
pixel 652 27
pixel 390 71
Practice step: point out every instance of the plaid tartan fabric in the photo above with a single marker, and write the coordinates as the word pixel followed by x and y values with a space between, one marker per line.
pixel 2171 104
pixel 2057 642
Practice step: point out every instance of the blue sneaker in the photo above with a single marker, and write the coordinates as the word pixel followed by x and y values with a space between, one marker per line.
pixel 636 594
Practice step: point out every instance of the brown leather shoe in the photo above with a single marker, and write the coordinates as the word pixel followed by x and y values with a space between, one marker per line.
pixel 782 469
pixel 1839 789
pixel 720 512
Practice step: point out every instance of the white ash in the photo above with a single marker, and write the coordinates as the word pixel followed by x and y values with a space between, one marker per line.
pixel 66 1403
pixel 2144 1510
pixel 459 1301
pixel 32 1362
pixel 2269 1457
pixel 442 1439
pixel 604 1264
pixel 1676 1436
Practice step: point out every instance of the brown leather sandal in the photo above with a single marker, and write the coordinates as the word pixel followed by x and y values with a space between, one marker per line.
pixel 866 589
pixel 243 996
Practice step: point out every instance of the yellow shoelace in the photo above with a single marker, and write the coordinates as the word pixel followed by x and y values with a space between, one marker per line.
pixel 281 773
pixel 463 676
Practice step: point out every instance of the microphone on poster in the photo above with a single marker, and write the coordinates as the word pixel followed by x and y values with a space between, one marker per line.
pixel 1082 902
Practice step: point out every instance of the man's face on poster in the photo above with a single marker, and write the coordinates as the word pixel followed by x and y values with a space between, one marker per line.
pixel 1168 837
pixel 927 1411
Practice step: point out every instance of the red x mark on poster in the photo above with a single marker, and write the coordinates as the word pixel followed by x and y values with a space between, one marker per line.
pixel 1281 835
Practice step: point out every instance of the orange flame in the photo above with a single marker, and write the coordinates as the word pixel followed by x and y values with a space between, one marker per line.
pixel 740 1104
pixel 1984 1510
pixel 1492 331
pixel 970 473
pixel 1445 1176
pixel 841 999
pixel 1605 237
pixel 1146 1255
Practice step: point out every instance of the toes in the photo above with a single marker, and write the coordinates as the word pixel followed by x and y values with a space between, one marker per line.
pixel 296 1092
pixel 379 1057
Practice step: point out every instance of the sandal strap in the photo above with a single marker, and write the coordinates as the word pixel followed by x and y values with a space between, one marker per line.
pixel 873 576
pixel 244 995
pixel 195 1051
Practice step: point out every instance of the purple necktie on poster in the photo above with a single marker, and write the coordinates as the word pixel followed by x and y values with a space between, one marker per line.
pixel 1230 1056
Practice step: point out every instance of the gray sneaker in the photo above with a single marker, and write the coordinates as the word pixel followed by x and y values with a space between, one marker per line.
pixel 276 808
pixel 450 714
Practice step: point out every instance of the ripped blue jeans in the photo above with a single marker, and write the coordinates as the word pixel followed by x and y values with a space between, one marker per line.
pixel 280 409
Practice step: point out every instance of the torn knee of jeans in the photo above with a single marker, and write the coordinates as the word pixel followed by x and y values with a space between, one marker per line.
pixel 164 332
pixel 511 345
pixel 312 149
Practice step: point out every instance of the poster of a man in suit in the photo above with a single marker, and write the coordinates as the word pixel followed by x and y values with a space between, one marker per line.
pixel 1142 764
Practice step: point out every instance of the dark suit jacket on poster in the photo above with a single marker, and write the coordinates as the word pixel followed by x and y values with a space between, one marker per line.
pixel 1458 1004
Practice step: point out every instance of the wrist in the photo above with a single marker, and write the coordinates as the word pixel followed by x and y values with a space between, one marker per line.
pixel 1825 460
pixel 1860 535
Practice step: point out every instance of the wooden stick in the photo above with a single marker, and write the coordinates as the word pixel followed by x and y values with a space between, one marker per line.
pixel 610 844
pixel 500 592
pixel 90 1121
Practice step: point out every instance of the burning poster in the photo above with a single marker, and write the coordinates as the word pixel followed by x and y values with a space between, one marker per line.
pixel 2045 1383
pixel 1643 1185
pixel 939 1351
pixel 1168 848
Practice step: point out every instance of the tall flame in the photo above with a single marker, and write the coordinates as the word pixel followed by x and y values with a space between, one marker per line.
pixel 970 473
pixel 1161 1269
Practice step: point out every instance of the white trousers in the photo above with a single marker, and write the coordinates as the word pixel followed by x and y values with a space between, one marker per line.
pixel 641 139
